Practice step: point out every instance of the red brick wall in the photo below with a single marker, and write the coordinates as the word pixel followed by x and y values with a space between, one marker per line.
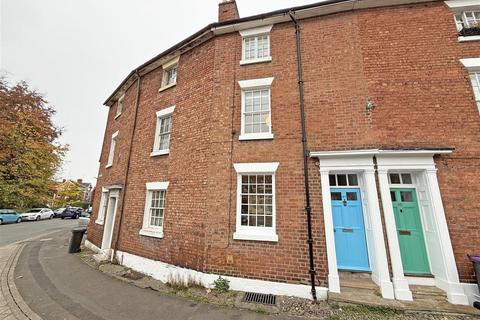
pixel 405 59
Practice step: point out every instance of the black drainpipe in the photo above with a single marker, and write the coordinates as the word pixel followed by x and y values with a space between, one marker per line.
pixel 128 166
pixel 308 208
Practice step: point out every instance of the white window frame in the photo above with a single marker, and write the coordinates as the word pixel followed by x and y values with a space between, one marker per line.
pixel 164 113
pixel 255 33
pixel 173 63
pixel 111 153
pixel 461 7
pixel 473 67
pixel 120 105
pixel 255 233
pixel 147 229
pixel 102 210
pixel 246 85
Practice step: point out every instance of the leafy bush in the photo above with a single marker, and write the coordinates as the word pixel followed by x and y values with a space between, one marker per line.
pixel 221 285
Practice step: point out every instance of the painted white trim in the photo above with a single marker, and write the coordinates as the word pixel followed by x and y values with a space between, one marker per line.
pixel 420 281
pixel 170 63
pixel 454 4
pixel 92 247
pixel 147 229
pixel 471 63
pixel 256 235
pixel 157 185
pixel 471 290
pixel 248 232
pixel 261 167
pixel 253 61
pixel 163 272
pixel 165 112
pixel 111 153
pixel 160 115
pixel 151 233
pixel 256 31
pixel 360 162
pixel 256 83
pixel 163 88
pixel 159 153
pixel 469 38
pixel 255 136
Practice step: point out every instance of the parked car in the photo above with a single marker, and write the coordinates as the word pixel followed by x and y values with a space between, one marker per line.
pixel 9 216
pixel 70 212
pixel 37 214
pixel 58 211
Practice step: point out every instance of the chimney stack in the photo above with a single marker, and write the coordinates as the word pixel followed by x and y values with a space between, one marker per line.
pixel 227 10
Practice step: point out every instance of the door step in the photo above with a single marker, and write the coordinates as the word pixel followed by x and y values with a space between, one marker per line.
pixel 346 275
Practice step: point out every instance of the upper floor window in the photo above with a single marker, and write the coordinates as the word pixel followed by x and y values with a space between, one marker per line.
pixel 256 214
pixel 467 18
pixel 256 45
pixel 154 214
pixel 111 154
pixel 161 143
pixel 120 106
pixel 169 78
pixel 473 67
pixel 256 118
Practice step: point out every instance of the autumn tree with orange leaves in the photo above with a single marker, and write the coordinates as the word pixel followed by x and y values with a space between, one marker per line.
pixel 30 154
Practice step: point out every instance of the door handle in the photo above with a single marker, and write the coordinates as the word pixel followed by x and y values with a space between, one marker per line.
pixel 348 230
pixel 405 232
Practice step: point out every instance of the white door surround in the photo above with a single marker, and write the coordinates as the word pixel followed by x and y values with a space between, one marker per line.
pixel 361 163
pixel 421 165
pixel 109 223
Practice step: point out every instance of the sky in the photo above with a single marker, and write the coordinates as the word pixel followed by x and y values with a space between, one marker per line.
pixel 76 52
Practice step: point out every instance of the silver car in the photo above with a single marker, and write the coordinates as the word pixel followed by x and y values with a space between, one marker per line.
pixel 37 214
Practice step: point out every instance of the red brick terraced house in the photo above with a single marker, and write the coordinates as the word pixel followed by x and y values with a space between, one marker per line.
pixel 279 149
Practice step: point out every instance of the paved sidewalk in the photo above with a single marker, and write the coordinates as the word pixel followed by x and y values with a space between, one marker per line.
pixel 5 312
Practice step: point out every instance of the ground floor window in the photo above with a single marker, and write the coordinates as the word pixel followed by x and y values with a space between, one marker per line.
pixel 256 212
pixel 154 214
pixel 102 210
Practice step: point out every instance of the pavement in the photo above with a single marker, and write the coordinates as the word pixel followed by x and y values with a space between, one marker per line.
pixel 57 285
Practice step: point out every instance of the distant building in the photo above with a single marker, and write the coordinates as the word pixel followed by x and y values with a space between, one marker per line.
pixel 72 192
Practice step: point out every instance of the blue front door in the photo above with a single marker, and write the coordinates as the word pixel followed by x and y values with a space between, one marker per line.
pixel 350 243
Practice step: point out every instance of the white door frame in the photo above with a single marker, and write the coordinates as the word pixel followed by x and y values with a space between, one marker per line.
pixel 418 161
pixel 360 162
pixel 109 222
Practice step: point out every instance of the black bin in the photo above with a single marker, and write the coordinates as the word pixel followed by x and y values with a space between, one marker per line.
pixel 76 240
pixel 476 265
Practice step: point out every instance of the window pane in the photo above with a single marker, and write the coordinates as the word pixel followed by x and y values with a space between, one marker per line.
pixel 406 196
pixel 342 179
pixel 406 178
pixel 157 205
pixel 352 180
pixel 394 178
pixel 393 195
pixel 352 196
pixel 256 200
pixel 333 181
pixel 336 196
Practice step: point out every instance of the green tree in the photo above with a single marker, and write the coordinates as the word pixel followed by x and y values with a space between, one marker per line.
pixel 30 154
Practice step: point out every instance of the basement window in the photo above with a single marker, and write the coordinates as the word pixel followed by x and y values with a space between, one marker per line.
pixel 170 70
pixel 256 45
pixel 256 216
pixel 161 144
pixel 154 213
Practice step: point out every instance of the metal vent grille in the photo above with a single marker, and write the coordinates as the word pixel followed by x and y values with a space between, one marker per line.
pixel 268 299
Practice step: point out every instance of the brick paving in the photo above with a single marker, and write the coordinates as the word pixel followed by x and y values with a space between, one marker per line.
pixel 6 313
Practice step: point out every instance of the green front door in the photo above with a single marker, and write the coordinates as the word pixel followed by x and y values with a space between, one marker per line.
pixel 409 231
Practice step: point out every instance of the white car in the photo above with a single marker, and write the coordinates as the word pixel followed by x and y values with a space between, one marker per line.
pixel 37 214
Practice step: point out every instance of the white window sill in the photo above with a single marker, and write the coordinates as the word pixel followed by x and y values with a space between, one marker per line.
pixel 151 233
pixel 159 153
pixel 118 115
pixel 99 222
pixel 109 165
pixel 256 136
pixel 249 235
pixel 167 87
pixel 253 61
pixel 469 38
